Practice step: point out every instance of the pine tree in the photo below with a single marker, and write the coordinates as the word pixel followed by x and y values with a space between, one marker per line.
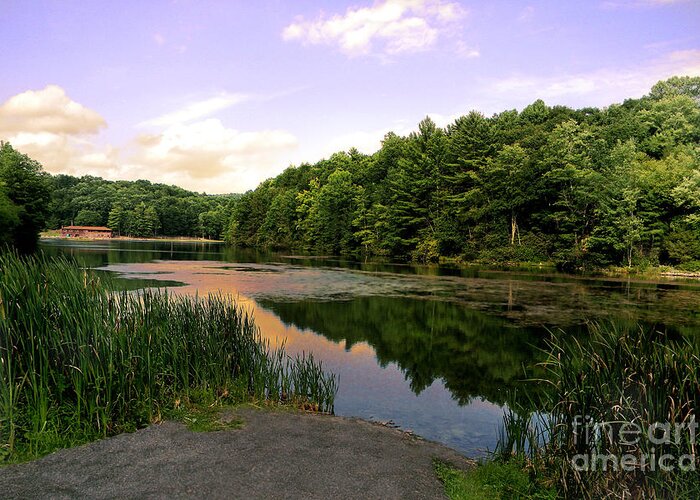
pixel 116 219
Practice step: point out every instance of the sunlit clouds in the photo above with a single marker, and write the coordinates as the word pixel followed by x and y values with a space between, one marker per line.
pixel 207 156
pixel 200 154
pixel 47 111
pixel 55 130
pixel 192 148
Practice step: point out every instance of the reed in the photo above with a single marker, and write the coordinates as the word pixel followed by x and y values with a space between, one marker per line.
pixel 80 359
pixel 606 388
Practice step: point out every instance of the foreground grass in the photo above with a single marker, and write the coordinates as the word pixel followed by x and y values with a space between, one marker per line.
pixel 80 361
pixel 620 394
pixel 491 480
pixel 603 388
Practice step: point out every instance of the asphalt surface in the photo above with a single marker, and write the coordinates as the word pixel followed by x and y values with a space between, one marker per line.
pixel 274 455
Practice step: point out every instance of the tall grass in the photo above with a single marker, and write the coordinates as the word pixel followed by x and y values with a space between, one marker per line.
pixel 604 388
pixel 78 358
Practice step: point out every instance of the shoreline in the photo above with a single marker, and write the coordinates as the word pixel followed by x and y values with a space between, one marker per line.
pixel 653 272
pixel 174 239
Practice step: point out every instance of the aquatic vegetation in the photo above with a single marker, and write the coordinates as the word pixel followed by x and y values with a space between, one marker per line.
pixel 620 419
pixel 80 359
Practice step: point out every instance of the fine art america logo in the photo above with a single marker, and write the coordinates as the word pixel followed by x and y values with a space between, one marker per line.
pixel 648 448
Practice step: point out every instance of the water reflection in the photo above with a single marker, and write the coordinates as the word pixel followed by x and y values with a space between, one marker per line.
pixel 382 390
pixel 474 354
pixel 435 349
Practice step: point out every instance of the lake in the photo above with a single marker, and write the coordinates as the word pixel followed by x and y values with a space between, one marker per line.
pixel 438 350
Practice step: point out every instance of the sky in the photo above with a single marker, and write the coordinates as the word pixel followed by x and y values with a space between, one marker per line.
pixel 217 96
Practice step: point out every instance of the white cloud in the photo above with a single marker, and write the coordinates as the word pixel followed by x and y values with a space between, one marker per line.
pixel 389 27
pixel 195 153
pixel 527 14
pixel 466 51
pixel 196 110
pixel 47 110
pixel 595 88
pixel 55 130
pixel 206 155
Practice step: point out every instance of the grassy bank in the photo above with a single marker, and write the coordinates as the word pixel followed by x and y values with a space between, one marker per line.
pixel 493 480
pixel 619 422
pixel 685 270
pixel 79 360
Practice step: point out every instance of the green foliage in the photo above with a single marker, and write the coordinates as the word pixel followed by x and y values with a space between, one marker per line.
pixel 583 188
pixel 620 226
pixel 327 212
pixel 24 198
pixel 670 121
pixel 138 208
pixel 619 375
pixel 692 266
pixel 88 218
pixel 117 219
pixel 684 244
pixel 491 480
pixel 80 360
pixel 464 486
pixel 9 217
pixel 142 221
pixel 677 85
pixel 211 223
pixel 203 410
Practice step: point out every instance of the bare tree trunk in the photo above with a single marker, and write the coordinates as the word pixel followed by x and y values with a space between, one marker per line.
pixel 629 256
pixel 514 230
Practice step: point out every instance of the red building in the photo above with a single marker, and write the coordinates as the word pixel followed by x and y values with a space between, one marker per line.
pixel 86 232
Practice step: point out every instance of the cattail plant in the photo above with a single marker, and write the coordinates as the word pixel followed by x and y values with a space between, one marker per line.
pixel 621 391
pixel 78 357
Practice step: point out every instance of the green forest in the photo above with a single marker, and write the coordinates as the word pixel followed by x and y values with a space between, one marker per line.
pixel 32 200
pixel 580 188
pixel 137 208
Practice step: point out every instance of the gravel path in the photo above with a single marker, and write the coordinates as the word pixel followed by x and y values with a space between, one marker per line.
pixel 274 455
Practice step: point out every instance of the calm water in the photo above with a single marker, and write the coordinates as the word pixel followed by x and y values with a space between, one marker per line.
pixel 437 350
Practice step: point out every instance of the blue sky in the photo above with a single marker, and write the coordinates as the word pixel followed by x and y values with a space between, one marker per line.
pixel 216 96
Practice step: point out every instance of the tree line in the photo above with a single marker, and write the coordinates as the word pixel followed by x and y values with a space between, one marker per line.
pixel 136 208
pixel 32 200
pixel 579 187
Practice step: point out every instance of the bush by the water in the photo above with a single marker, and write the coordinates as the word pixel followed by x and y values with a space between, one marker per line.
pixel 81 360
